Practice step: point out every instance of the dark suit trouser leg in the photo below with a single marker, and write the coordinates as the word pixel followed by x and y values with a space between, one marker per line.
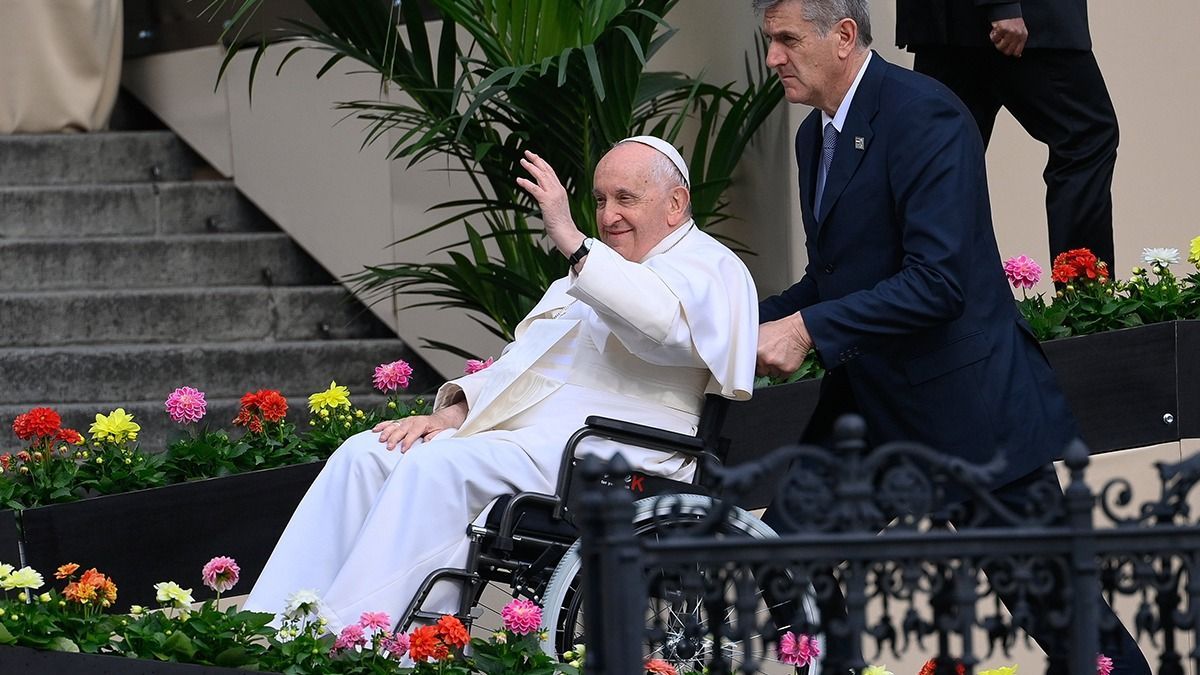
pixel 1118 644
pixel 1059 97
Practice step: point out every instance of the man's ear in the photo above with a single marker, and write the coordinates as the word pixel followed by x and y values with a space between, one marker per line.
pixel 677 211
pixel 846 31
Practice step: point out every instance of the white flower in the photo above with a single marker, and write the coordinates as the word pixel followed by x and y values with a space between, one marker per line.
pixel 26 577
pixel 287 634
pixel 169 593
pixel 301 604
pixel 1160 257
pixel 876 670
pixel 5 570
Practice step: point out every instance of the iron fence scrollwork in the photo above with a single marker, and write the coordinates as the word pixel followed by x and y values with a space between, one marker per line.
pixel 888 549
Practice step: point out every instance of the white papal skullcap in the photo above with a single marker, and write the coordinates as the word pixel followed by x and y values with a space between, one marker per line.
pixel 666 149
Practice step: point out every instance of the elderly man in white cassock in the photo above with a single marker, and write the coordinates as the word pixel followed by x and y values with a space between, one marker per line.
pixel 650 318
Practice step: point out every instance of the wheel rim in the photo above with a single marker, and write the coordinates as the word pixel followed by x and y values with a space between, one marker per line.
pixel 680 646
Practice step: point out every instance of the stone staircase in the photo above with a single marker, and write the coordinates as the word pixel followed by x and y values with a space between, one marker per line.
pixel 124 274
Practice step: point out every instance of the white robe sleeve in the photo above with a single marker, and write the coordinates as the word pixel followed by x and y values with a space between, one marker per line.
pixel 692 304
pixel 638 307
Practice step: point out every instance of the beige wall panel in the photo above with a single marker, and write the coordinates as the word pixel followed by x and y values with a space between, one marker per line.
pixel 178 87
pixel 303 167
pixel 414 191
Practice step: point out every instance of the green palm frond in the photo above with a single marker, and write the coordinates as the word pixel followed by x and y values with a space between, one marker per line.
pixel 566 78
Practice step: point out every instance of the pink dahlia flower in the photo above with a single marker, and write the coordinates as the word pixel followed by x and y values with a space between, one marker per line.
pixel 1104 665
pixel 351 636
pixel 396 645
pixel 475 365
pixel 221 573
pixel 375 620
pixel 186 405
pixel 392 376
pixel 798 649
pixel 522 617
pixel 1022 271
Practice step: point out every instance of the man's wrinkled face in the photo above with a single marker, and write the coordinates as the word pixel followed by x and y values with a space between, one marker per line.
pixel 806 62
pixel 634 209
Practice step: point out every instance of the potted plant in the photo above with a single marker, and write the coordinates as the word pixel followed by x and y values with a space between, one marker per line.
pixel 480 99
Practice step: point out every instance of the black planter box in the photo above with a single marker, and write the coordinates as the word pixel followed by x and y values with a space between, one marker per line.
pixel 1128 388
pixel 1133 387
pixel 773 417
pixel 167 534
pixel 10 539
pixel 27 661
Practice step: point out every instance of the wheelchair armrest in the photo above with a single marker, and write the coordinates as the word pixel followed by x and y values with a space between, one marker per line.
pixel 629 433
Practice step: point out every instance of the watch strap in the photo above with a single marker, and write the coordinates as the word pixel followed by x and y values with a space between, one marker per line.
pixel 579 253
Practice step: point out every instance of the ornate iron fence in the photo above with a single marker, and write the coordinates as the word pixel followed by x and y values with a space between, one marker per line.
pixel 875 562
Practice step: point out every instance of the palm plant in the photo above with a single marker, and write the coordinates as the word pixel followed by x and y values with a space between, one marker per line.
pixel 565 78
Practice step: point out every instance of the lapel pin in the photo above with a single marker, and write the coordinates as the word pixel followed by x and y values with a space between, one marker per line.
pixel 860 143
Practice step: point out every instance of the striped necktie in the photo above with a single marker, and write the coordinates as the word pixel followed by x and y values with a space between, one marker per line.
pixel 827 147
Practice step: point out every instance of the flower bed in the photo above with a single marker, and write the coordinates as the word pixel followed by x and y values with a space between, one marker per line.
pixel 106 500
pixel 75 631
pixel 59 465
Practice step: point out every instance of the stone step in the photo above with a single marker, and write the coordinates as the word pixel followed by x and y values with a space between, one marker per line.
pixel 54 375
pixel 175 315
pixel 161 262
pixel 102 157
pixel 126 210
pixel 157 427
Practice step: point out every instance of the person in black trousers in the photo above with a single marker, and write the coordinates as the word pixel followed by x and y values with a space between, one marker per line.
pixel 1033 57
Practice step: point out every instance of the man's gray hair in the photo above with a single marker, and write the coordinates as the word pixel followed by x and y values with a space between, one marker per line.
pixel 826 13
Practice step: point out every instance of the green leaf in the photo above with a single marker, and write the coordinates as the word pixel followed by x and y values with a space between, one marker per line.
pixel 63 644
pixel 179 645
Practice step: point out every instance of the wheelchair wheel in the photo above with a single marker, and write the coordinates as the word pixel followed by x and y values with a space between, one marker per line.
pixel 563 617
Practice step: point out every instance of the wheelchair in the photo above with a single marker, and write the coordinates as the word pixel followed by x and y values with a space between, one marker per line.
pixel 527 546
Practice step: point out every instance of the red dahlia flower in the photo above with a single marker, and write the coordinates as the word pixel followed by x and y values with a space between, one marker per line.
pixel 39 422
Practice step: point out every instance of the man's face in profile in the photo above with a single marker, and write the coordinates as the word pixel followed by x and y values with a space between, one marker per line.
pixel 799 54
pixel 634 209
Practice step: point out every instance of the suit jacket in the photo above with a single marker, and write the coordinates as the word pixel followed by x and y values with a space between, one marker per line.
pixel 904 293
pixel 1053 24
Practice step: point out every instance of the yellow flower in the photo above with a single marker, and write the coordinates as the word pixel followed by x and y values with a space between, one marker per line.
pixel 118 427
pixel 26 577
pixel 1194 252
pixel 1003 670
pixel 333 397
pixel 5 570
pixel 876 670
pixel 169 593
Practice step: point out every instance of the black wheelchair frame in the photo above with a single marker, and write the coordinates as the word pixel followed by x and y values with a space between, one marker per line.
pixel 526 534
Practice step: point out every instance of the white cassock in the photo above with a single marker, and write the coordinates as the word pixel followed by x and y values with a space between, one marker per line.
pixel 641 342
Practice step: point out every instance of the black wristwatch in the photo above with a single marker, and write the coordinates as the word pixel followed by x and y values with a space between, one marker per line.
pixel 578 255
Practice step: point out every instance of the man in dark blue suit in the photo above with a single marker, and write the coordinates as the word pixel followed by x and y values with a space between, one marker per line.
pixel 904 298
